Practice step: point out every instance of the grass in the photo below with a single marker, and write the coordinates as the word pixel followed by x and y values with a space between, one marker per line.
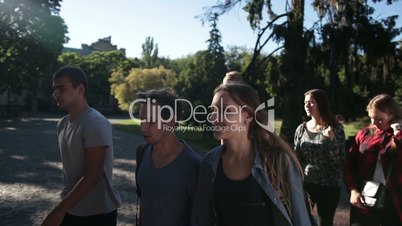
pixel 204 141
pixel 351 128
pixel 198 140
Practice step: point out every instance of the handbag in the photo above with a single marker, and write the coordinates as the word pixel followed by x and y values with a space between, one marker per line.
pixel 374 193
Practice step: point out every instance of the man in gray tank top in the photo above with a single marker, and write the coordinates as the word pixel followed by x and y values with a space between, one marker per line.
pixel 168 172
pixel 86 149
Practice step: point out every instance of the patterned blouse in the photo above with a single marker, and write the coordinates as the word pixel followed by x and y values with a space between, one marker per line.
pixel 322 159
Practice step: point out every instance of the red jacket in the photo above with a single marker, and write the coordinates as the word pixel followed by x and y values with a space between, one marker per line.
pixel 362 158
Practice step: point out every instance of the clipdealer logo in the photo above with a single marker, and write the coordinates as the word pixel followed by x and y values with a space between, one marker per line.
pixel 197 113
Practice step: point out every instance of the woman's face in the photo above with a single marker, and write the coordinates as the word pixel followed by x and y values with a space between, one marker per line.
pixel 311 106
pixel 380 119
pixel 229 120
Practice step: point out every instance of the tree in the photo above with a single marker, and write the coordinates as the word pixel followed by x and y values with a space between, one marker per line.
pixel 291 33
pixel 99 67
pixel 365 54
pixel 294 71
pixel 31 37
pixel 150 53
pixel 124 88
pixel 237 58
pixel 205 70
pixel 301 48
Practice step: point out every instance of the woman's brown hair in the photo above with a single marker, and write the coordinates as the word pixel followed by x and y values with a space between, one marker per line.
pixel 324 106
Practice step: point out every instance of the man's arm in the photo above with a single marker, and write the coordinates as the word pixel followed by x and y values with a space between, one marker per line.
pixel 94 161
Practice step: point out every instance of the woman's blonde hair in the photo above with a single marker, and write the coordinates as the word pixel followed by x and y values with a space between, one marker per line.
pixel 232 76
pixel 278 157
pixel 385 103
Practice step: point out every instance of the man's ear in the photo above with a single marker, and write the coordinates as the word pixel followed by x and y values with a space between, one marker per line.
pixel 81 89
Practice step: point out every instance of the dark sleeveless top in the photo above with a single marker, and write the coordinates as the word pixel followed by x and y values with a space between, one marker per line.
pixel 240 203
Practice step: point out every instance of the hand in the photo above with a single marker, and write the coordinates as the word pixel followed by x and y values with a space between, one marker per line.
pixel 356 199
pixel 54 218
pixel 396 125
pixel 328 132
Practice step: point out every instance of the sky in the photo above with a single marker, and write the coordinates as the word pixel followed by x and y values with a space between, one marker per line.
pixel 171 23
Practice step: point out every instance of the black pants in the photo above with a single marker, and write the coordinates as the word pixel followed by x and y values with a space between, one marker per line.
pixel 107 219
pixel 385 217
pixel 326 199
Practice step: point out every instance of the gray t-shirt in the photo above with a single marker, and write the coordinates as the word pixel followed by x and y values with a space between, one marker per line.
pixel 89 129
pixel 167 193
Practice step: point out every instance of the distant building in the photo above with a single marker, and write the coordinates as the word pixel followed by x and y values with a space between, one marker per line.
pixel 102 45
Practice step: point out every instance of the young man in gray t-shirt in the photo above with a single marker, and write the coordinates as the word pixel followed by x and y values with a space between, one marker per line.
pixel 86 149
pixel 167 175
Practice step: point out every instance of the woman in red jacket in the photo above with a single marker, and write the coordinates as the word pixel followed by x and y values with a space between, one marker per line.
pixel 377 149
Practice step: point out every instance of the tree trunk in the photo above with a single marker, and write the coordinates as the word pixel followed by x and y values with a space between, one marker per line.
pixel 294 59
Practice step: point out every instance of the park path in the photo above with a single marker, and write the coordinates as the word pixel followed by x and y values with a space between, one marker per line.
pixel 31 176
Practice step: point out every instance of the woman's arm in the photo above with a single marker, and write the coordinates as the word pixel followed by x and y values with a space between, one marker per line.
pixel 297 141
pixel 336 147
pixel 352 163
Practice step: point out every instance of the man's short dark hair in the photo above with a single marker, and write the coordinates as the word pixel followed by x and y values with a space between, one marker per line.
pixel 163 97
pixel 76 75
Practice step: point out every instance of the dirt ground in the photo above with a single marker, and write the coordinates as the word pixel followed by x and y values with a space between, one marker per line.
pixel 31 176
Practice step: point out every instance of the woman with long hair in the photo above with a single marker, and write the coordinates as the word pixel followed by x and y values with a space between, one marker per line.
pixel 254 177
pixel 320 146
pixel 376 156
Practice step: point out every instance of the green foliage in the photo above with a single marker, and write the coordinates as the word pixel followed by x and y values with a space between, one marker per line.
pixel 203 71
pixel 31 38
pixel 99 67
pixel 215 48
pixel 237 58
pixel 124 88
pixel 367 59
pixel 150 53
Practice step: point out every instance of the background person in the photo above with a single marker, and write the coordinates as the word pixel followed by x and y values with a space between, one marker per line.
pixel 320 146
pixel 376 147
